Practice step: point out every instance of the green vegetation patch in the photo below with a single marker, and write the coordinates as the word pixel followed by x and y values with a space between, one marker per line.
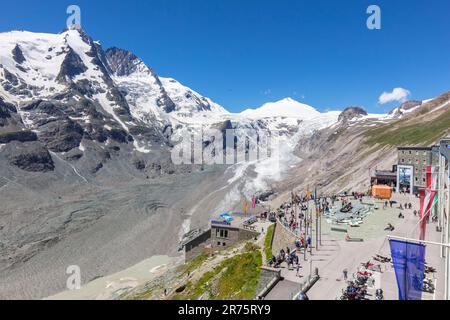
pixel 235 278
pixel 426 132
pixel 193 264
pixel 268 242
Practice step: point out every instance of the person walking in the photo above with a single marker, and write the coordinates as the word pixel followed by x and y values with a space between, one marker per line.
pixel 345 273
pixel 298 270
pixel 308 241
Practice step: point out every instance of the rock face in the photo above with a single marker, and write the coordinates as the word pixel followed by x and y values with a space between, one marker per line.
pixel 122 62
pixel 21 136
pixel 61 135
pixel 18 55
pixel 406 106
pixel 351 113
pixel 7 111
pixel 29 156
pixel 71 67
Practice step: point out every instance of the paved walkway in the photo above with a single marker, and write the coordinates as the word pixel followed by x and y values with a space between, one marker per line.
pixel 409 229
pixel 335 255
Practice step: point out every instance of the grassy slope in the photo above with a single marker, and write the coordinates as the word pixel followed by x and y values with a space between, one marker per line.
pixel 193 264
pixel 268 242
pixel 235 278
pixel 403 133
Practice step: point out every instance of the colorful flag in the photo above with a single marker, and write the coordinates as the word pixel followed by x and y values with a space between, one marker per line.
pixel 429 177
pixel 409 265
pixel 426 204
pixel 432 184
pixel 253 202
pixel 245 206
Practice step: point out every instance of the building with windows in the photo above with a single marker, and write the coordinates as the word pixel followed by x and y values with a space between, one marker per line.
pixel 385 177
pixel 231 229
pixel 412 167
pixel 226 230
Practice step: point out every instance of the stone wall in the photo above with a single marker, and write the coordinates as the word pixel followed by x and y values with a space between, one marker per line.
pixel 282 238
pixel 196 246
pixel 268 278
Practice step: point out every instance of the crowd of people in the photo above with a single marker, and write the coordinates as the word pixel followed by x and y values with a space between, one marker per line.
pixel 289 257
pixel 297 216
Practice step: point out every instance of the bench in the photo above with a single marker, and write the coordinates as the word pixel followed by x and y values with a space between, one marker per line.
pixel 338 229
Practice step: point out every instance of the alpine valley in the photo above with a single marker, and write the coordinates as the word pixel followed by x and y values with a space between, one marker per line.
pixel 86 175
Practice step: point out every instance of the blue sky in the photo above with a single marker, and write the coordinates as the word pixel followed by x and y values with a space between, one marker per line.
pixel 247 52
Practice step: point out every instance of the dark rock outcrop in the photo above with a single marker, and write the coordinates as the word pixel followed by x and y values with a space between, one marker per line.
pixel 351 113
pixel 46 107
pixel 18 55
pixel 223 126
pixel 29 156
pixel 21 136
pixel 12 79
pixel 71 67
pixel 123 63
pixel 6 109
pixel 61 135
pixel 408 105
pixel 120 135
pixel 138 163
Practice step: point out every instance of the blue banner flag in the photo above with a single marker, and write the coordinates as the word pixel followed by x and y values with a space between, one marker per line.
pixel 409 265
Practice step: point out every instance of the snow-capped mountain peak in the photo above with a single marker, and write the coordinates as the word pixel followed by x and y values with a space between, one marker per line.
pixel 286 108
pixel 187 101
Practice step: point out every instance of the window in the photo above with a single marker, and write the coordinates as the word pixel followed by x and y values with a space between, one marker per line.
pixel 221 233
pixel 403 160
pixel 219 243
pixel 224 244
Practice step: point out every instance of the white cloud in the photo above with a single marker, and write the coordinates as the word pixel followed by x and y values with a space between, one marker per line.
pixel 398 94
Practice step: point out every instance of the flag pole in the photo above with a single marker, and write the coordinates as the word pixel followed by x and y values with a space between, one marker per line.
pixel 317 218
pixel 419 241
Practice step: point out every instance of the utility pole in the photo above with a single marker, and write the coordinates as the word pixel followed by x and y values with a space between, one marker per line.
pixel 317 218
pixel 320 225
pixel 317 229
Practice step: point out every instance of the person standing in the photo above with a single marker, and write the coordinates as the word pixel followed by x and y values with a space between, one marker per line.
pixel 345 273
